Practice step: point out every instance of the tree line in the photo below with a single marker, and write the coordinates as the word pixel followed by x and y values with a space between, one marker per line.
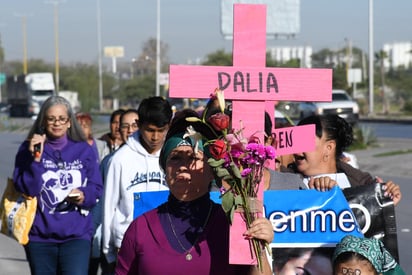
pixel 136 79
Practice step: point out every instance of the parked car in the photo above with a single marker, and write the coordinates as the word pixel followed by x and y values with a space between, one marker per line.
pixel 4 107
pixel 342 104
pixel 282 120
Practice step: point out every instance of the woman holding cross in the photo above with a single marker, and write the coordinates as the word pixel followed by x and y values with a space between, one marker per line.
pixel 189 233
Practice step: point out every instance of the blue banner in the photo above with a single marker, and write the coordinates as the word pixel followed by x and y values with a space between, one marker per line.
pixel 309 218
pixel 145 201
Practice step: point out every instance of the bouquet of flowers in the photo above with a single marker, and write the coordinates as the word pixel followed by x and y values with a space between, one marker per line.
pixel 238 163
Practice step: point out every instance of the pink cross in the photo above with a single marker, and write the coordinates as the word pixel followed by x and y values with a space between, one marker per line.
pixel 253 87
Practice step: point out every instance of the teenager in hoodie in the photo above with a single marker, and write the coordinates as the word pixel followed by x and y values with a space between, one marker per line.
pixel 134 168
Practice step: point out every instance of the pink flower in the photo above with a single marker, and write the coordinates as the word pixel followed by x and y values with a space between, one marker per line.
pixel 246 172
pixel 270 152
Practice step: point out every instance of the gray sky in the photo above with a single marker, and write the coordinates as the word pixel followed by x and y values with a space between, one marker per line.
pixel 191 28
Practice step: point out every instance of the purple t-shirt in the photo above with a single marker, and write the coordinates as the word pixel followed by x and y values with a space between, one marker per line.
pixel 146 250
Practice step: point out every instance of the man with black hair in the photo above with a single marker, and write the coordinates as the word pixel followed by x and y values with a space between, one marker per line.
pixel 134 168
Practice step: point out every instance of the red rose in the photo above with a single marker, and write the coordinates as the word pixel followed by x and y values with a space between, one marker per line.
pixel 218 149
pixel 219 121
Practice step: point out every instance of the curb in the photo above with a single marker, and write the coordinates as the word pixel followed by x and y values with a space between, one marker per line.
pixel 397 120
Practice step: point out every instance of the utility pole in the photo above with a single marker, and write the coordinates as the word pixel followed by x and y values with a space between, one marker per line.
pixel 99 54
pixel 24 29
pixel 158 49
pixel 348 58
pixel 24 26
pixel 371 57
pixel 56 39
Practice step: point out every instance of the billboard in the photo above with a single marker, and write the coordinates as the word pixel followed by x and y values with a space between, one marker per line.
pixel 283 17
pixel 116 51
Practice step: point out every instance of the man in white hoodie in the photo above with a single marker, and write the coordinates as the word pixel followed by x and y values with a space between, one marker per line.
pixel 134 168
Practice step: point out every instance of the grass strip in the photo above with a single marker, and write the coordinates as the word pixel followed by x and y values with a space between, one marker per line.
pixel 394 153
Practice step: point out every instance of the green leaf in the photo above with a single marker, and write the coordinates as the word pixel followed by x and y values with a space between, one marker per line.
pixel 231 214
pixel 222 172
pixel 227 201
pixel 238 200
pixel 215 163
pixel 235 170
pixel 243 182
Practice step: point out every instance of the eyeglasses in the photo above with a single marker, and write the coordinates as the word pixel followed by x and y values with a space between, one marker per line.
pixel 127 126
pixel 349 271
pixel 52 120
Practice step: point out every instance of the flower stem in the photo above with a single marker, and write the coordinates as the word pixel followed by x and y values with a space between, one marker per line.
pixel 249 217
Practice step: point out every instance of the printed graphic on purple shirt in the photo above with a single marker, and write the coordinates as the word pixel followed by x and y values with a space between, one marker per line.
pixel 57 185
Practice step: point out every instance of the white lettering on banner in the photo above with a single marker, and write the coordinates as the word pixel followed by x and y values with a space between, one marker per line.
pixel 366 213
pixel 346 217
pixel 282 221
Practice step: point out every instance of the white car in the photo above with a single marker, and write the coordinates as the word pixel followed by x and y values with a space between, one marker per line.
pixel 342 104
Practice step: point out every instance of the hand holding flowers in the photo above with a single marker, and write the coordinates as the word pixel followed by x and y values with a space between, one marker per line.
pixel 238 162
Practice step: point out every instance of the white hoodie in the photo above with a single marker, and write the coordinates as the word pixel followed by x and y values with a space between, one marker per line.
pixel 131 169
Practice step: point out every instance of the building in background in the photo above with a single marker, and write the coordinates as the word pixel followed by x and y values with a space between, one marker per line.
pixel 399 54
pixel 285 54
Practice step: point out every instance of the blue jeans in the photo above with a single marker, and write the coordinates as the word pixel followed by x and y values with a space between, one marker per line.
pixel 71 257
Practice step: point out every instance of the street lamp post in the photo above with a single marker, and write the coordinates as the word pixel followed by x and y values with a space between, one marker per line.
pixel 371 57
pixel 24 29
pixel 99 55
pixel 56 45
pixel 132 70
pixel 56 40
pixel 158 49
pixel 24 26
